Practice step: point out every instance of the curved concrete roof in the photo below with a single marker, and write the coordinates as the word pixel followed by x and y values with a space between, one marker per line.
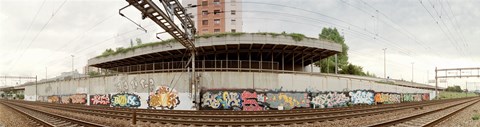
pixel 308 48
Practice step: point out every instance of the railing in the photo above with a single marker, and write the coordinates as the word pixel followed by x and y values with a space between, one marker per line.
pixel 201 65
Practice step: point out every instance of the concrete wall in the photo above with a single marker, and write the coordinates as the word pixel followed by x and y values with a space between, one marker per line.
pixel 146 85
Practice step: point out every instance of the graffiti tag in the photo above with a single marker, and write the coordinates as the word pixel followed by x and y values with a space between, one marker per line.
pixel 125 100
pixel 164 97
pixel 361 97
pixel 100 99
pixel 330 99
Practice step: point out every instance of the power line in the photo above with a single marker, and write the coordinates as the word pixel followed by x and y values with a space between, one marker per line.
pixel 36 36
pixel 30 26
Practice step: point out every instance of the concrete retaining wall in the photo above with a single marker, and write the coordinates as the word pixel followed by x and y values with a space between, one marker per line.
pixel 153 85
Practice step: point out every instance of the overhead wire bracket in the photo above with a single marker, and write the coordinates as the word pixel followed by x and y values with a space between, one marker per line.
pixel 143 17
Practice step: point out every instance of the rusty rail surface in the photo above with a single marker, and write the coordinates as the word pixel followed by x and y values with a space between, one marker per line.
pixel 246 118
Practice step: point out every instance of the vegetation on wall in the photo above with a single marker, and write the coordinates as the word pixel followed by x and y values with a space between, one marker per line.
pixel 119 50
pixel 328 64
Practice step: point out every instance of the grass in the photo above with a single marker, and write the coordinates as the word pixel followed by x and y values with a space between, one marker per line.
pixel 450 95
pixel 476 116
pixel 120 50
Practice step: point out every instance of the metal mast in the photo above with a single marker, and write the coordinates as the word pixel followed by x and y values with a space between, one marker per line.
pixel 185 34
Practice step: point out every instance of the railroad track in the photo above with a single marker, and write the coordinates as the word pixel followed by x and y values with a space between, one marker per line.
pixel 429 118
pixel 267 118
pixel 46 119
pixel 240 118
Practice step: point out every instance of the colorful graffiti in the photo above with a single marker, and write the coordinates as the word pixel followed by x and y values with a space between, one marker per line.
pixel 125 100
pixel 164 97
pixel 426 97
pixel 221 100
pixel 361 97
pixel 100 99
pixel 330 99
pixel 74 99
pixel 408 97
pixel 250 102
pixel 53 99
pixel 287 101
pixel 387 98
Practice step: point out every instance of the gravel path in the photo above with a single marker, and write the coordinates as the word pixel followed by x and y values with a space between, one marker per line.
pixel 464 118
pixel 11 118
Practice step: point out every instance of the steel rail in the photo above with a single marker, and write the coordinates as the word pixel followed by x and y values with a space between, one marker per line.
pixel 57 116
pixel 416 116
pixel 268 119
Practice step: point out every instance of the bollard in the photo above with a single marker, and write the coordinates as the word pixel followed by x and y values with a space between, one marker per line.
pixel 134 119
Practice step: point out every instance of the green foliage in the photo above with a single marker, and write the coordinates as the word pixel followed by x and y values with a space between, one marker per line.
pixel 93 73
pixel 328 64
pixel 475 116
pixel 296 36
pixel 450 95
pixel 21 96
pixel 2 95
pixel 454 89
pixel 108 52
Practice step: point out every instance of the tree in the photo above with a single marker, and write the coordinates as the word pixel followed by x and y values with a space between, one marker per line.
pixel 454 89
pixel 328 64
pixel 139 41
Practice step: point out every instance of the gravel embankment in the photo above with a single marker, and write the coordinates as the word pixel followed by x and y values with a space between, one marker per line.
pixel 11 118
pixel 464 118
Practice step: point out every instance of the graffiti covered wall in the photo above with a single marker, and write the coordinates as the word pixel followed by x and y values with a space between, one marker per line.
pixel 387 98
pixel 74 99
pixel 287 101
pixel 125 100
pixel 163 97
pixel 100 99
pixel 361 97
pixel 221 100
pixel 330 99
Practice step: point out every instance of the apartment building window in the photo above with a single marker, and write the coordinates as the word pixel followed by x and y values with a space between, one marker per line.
pixel 233 12
pixel 204 3
pixel 216 21
pixel 216 2
pixel 204 12
pixel 204 22
pixel 216 30
pixel 233 21
pixel 234 30
pixel 216 12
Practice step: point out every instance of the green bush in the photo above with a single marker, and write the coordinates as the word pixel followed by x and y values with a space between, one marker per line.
pixel 476 117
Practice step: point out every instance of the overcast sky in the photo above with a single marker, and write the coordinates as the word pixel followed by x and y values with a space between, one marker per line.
pixel 40 35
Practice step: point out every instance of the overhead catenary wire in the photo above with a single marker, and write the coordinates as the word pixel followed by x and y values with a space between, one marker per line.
pixel 36 36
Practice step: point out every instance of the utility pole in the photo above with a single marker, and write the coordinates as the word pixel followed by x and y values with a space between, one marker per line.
pixel 384 64
pixel 412 73
pixel 72 66
pixel 436 83
pixel 466 94
pixel 336 64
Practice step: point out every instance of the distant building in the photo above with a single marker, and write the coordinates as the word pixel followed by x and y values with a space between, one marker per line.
pixel 215 16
